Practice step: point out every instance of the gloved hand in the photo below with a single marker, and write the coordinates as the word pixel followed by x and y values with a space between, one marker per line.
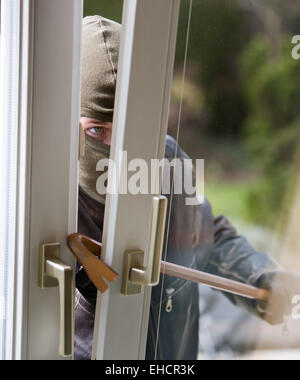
pixel 284 286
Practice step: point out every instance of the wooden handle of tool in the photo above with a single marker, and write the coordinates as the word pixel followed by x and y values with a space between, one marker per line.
pixel 215 282
pixel 86 250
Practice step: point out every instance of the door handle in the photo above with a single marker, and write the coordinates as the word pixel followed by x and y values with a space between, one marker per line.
pixel 54 273
pixel 135 275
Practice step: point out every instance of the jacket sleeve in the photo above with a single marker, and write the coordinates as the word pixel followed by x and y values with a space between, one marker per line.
pixel 221 251
pixel 234 258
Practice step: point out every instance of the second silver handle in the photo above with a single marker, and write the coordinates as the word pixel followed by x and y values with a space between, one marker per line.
pixel 150 276
pixel 135 274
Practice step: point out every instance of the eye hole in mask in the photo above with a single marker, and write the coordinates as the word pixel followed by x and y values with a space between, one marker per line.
pixel 94 151
pixel 98 132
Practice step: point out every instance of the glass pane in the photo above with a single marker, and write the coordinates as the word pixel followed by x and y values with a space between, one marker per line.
pixel 235 105
pixel 8 164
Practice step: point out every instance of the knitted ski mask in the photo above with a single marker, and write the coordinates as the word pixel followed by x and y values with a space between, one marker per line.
pixel 100 49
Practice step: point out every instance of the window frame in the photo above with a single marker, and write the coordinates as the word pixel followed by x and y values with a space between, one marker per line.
pixel 45 199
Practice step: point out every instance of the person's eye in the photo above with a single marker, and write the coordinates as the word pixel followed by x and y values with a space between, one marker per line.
pixel 96 130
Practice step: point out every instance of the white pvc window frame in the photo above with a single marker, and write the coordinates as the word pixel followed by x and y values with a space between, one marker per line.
pixel 41 83
pixel 12 142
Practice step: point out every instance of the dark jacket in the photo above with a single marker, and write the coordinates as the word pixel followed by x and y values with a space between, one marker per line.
pixel 195 239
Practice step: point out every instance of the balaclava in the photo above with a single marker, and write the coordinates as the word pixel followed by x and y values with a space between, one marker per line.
pixel 100 51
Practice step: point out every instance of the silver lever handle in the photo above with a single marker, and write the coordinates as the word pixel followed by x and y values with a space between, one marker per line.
pixel 135 274
pixel 54 273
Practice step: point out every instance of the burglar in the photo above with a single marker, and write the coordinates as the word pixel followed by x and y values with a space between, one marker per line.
pixel 196 239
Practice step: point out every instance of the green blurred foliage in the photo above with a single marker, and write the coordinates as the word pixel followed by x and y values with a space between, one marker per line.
pixel 230 198
pixel 272 127
pixel 217 37
pixel 249 83
pixel 111 9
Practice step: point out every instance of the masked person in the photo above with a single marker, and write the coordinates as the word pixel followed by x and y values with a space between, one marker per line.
pixel 196 239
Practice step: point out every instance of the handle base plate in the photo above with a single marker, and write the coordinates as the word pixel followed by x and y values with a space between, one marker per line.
pixel 47 252
pixel 132 259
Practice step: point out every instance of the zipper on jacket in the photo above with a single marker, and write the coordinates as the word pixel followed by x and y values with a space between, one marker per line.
pixel 171 292
pixel 169 305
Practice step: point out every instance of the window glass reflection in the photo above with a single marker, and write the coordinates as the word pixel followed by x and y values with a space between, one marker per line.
pixel 241 114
